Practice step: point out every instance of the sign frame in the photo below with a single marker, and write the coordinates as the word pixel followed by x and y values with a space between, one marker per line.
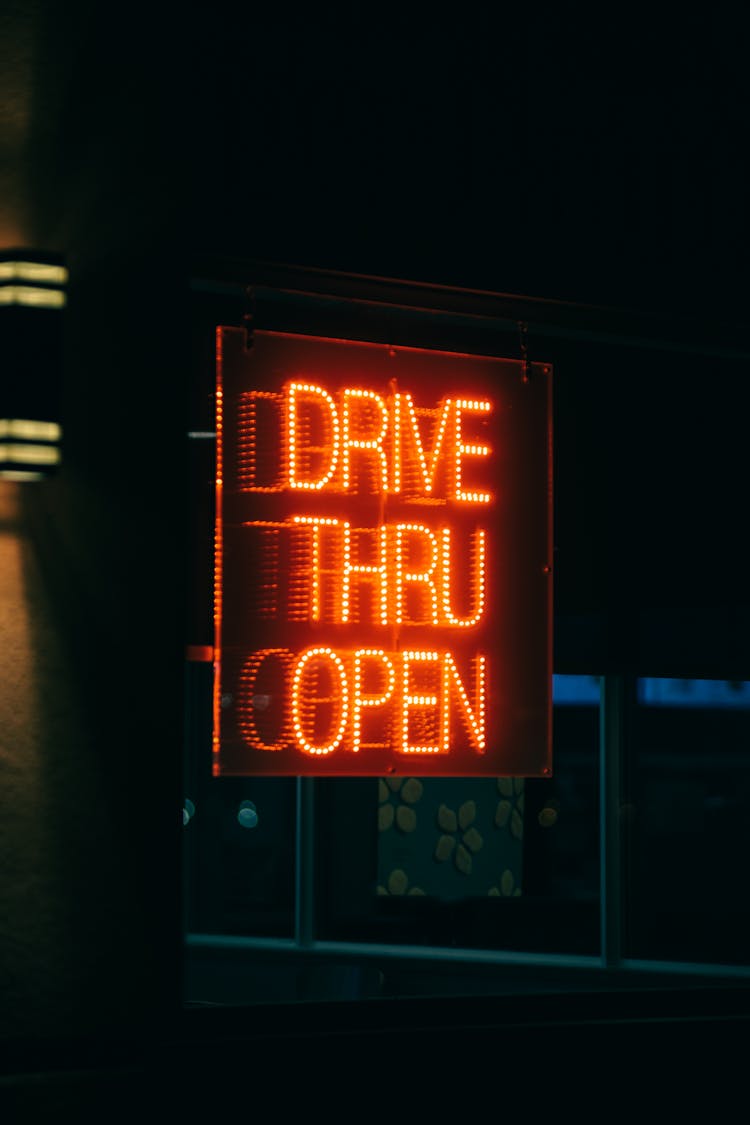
pixel 528 380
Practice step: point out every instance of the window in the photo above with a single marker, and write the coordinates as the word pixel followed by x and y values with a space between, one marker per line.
pixel 627 864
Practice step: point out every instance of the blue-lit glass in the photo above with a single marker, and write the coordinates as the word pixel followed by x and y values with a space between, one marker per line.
pixel 658 692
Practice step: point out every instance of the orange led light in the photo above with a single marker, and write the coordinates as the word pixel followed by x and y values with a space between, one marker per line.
pixel 218 577
pixel 320 455
pixel 477 583
pixel 480 406
pixel 424 577
pixel 296 700
pixel 475 718
pixel 409 700
pixel 382 524
pixel 302 703
pixel 374 573
pixel 392 575
pixel 362 699
pixel 330 447
pixel 372 443
pixel 426 474
pixel 315 522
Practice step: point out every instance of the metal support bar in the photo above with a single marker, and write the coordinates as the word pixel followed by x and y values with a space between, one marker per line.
pixel 542 315
pixel 611 740
pixel 304 867
pixel 363 952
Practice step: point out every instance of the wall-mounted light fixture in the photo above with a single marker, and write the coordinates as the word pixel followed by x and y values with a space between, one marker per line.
pixel 32 297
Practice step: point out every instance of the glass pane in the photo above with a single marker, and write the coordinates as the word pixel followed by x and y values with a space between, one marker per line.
pixel 239 837
pixel 688 848
pixel 478 863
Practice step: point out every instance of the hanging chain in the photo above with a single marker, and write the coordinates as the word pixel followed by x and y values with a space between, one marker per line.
pixel 248 317
pixel 523 332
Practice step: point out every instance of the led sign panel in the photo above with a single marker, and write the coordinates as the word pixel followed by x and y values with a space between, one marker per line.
pixel 383 560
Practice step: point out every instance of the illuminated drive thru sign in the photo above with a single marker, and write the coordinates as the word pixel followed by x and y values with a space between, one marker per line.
pixel 383 560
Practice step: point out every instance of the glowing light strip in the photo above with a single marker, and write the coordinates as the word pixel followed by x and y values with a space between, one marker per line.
pixel 33 271
pixel 20 475
pixel 31 296
pixel 218 555
pixel 29 430
pixel 18 454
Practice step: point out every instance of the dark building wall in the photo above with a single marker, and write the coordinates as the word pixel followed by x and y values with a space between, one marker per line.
pixel 90 938
pixel 592 159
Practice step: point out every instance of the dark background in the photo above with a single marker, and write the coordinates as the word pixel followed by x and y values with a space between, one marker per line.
pixel 583 159
pixel 596 159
